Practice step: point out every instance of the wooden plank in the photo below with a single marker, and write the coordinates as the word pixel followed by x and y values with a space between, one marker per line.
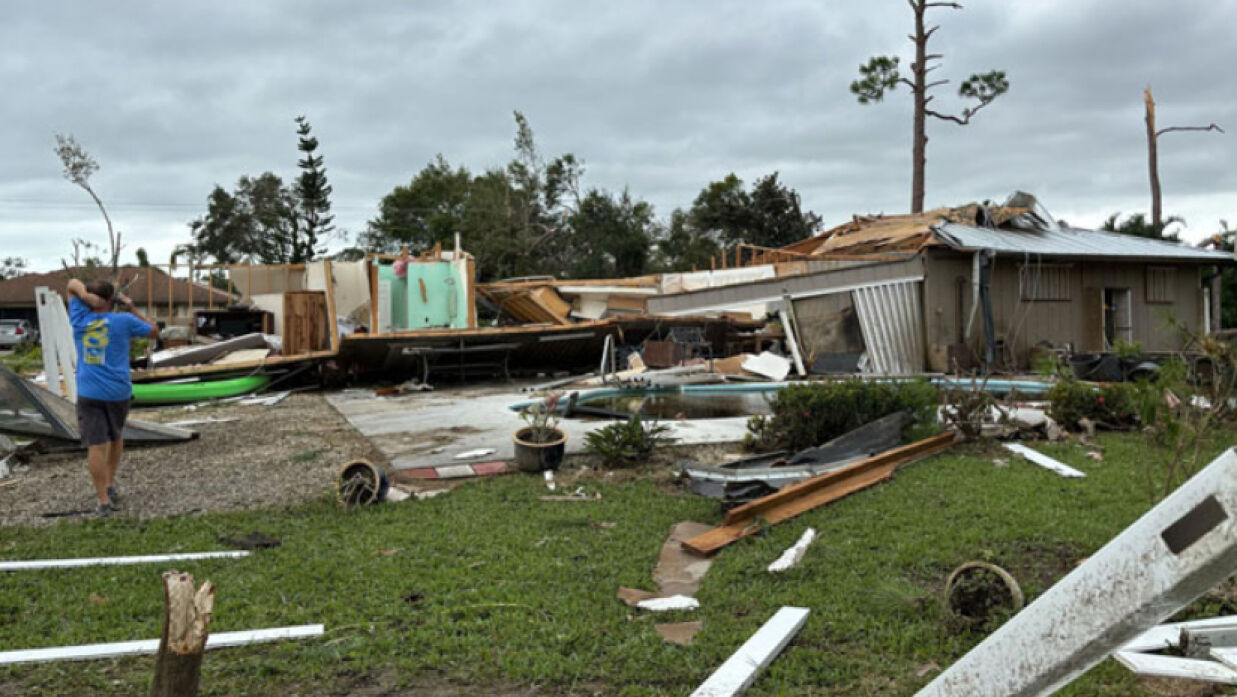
pixel 899 456
pixel 332 322
pixel 740 670
pixel 149 646
pixel 1156 666
pixel 801 497
pixel 34 564
pixel 1043 460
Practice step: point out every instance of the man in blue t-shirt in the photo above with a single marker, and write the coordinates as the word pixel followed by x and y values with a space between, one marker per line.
pixel 103 387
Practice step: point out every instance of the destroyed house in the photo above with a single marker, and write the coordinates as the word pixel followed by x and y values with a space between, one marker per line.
pixel 908 292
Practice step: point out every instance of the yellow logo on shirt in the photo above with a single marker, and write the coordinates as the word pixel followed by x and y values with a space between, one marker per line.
pixel 94 342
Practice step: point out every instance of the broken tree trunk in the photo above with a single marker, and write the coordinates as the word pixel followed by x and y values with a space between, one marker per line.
pixel 186 620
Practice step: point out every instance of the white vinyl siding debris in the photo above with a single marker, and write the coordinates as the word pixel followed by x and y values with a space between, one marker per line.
pixel 740 670
pixel 1043 460
pixel 116 561
pixel 149 646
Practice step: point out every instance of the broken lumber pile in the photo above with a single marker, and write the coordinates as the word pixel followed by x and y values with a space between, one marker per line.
pixel 817 491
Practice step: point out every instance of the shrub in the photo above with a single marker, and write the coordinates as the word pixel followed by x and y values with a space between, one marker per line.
pixel 807 415
pixel 1117 405
pixel 626 443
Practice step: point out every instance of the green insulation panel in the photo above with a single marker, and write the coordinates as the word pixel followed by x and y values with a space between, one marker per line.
pixel 432 294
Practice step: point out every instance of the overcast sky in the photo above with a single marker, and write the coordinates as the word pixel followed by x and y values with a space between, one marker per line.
pixel 661 97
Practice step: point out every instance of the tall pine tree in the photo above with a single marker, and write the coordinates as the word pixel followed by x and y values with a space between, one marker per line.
pixel 314 194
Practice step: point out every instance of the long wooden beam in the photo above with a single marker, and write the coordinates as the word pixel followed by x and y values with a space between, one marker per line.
pixel 811 493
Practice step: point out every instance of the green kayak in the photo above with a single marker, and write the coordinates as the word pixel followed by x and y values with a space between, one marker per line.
pixel 181 392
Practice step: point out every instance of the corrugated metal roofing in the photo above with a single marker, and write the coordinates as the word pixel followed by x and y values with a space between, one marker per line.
pixel 1071 242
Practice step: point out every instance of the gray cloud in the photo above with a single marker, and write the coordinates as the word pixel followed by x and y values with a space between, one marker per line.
pixel 172 98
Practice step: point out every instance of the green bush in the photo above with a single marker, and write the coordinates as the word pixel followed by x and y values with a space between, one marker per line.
pixel 1118 404
pixel 626 443
pixel 808 415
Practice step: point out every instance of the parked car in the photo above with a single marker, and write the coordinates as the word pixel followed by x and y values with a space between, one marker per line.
pixel 16 333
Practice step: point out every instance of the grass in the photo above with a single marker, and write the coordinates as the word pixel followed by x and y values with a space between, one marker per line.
pixel 489 587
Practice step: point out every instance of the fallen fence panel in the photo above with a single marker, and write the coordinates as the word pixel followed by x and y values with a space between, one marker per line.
pixel 1176 552
pixel 740 670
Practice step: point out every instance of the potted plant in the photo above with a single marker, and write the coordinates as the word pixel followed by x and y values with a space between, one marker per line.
pixel 540 444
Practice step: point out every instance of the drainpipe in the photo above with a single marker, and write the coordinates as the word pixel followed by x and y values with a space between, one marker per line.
pixel 985 294
pixel 970 322
pixel 1211 301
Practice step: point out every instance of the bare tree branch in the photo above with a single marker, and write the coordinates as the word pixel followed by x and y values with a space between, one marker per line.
pixel 928 34
pixel 954 5
pixel 936 83
pixel 1170 129
pixel 950 117
pixel 906 82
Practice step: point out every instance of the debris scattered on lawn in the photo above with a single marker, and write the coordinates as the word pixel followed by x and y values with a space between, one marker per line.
pixel 29 565
pixel 1162 562
pixel 930 667
pixel 1167 636
pixel 1095 455
pixel 96 599
pixel 674 602
pixel 1043 460
pixel 474 454
pixel 388 552
pixel 794 554
pixel 1000 462
pixel 252 541
pixel 149 646
pixel 740 670
pixel 549 480
pixel 604 524
pixel 578 495
pixel 817 491
pixel 681 633
pixel 633 596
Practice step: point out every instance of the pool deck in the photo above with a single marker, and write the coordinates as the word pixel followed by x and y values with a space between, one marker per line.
pixel 428 429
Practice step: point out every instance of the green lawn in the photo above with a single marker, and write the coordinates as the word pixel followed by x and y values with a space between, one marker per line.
pixel 492 590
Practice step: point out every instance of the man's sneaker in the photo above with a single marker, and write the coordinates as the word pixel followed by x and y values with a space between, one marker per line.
pixel 113 496
pixel 104 510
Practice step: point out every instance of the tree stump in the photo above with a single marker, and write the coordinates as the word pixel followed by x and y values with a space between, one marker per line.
pixel 186 621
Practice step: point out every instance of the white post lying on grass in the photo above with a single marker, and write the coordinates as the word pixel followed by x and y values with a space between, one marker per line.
pixel 794 554
pixel 1156 666
pixel 740 670
pixel 1169 557
pixel 117 561
pixel 1043 460
pixel 149 646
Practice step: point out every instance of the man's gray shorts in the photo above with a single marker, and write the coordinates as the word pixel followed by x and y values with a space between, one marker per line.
pixel 101 422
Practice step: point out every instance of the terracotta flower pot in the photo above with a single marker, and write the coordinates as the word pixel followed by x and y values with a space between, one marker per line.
pixel 533 455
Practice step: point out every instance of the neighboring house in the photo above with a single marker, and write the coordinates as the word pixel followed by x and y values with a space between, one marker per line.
pixel 149 287
pixel 909 289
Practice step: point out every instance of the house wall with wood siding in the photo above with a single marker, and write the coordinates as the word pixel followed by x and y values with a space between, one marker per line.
pixel 1069 308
